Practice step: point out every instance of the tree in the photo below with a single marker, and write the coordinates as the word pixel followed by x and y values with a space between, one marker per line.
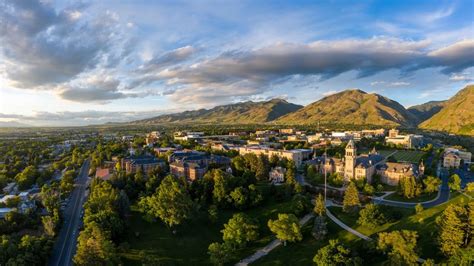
pixel 220 254
pixel 418 208
pixel 454 182
pixel 333 254
pixel 240 197
pixel 470 188
pixel 95 248
pixel 213 213
pixel 455 229
pixel 319 206
pixel 67 182
pixel 351 198
pixel 239 230
pixel 408 187
pixel 219 194
pixel 369 189
pixel 286 228
pixel 262 168
pixel 171 202
pixel 319 228
pixel 26 178
pixel 50 223
pixel 50 197
pixel 431 184
pixel 371 216
pixel 400 246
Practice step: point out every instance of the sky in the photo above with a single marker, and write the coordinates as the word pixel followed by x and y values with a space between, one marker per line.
pixel 69 63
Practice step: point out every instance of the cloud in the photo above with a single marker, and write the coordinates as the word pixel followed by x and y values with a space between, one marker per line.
pixel 88 117
pixel 390 84
pixel 328 93
pixel 460 77
pixel 243 73
pixel 42 46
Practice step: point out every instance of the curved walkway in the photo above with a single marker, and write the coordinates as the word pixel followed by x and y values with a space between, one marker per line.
pixel 350 229
pixel 272 245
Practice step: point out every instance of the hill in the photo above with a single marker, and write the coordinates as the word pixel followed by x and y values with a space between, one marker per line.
pixel 353 107
pixel 241 113
pixel 426 110
pixel 457 115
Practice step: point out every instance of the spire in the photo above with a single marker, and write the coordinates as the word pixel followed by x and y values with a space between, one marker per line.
pixel 374 151
pixel 350 145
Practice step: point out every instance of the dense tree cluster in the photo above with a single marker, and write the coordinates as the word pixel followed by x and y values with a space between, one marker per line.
pixel 456 227
pixel 104 221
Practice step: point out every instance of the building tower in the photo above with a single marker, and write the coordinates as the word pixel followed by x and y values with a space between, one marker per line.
pixel 350 160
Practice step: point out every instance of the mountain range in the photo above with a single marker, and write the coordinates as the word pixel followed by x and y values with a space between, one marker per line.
pixel 354 107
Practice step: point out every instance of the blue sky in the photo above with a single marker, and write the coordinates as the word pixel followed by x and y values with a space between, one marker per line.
pixel 76 63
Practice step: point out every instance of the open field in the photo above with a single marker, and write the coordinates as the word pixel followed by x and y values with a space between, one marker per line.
pixel 156 243
pixel 404 155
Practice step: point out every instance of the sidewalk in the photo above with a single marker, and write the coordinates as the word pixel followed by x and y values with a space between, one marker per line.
pixel 275 243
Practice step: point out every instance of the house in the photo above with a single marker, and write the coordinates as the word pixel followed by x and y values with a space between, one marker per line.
pixel 287 131
pixel 10 188
pixel 152 137
pixel 103 173
pixel 277 175
pixel 5 211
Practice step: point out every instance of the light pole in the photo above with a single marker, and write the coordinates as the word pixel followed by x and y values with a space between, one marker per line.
pixel 325 176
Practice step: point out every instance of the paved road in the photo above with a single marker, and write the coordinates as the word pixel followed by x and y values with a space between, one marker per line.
pixel 443 195
pixel 65 246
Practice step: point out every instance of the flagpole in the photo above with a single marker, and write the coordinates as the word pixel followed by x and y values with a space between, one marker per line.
pixel 325 176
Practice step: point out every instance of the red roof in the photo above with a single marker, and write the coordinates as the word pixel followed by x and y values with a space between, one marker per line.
pixel 103 173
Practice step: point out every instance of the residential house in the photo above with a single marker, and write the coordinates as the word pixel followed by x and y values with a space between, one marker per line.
pixel 277 175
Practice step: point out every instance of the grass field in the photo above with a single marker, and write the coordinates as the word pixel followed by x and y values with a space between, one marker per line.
pixel 424 223
pixel 299 253
pixel 189 245
pixel 403 155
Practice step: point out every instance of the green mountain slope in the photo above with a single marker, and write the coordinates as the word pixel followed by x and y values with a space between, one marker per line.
pixel 353 107
pixel 457 115
pixel 426 110
pixel 241 113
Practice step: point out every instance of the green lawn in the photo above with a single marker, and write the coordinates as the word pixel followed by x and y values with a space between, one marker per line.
pixel 404 155
pixel 423 223
pixel 189 245
pixel 299 253
pixel 422 198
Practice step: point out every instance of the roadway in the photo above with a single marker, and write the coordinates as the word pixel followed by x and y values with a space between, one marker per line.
pixel 65 246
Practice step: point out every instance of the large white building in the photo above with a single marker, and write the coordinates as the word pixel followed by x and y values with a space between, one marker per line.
pixel 297 156
pixel 408 141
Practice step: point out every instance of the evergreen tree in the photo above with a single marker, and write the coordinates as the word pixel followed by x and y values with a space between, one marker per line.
pixel 454 182
pixel 319 206
pixel 351 198
pixel 455 227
